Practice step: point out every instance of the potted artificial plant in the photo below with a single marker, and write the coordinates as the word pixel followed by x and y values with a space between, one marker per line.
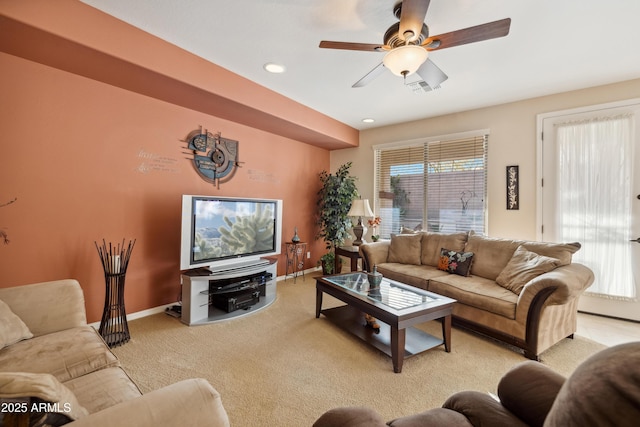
pixel 334 201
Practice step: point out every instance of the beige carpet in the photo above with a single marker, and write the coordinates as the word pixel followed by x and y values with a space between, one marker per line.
pixel 283 367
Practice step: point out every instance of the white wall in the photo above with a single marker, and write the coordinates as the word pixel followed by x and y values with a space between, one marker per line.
pixel 512 142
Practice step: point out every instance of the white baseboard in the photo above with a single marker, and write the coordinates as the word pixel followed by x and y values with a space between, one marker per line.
pixel 307 271
pixel 143 313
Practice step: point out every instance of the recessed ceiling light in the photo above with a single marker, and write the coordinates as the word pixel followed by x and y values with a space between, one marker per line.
pixel 368 120
pixel 274 68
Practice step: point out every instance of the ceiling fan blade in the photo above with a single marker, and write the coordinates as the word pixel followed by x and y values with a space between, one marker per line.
pixel 412 16
pixel 370 76
pixel 490 30
pixel 431 74
pixel 353 46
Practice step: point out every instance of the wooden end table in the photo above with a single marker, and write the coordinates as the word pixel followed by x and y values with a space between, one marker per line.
pixel 351 252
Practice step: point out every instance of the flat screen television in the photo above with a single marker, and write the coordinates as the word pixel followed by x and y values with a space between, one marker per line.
pixel 222 233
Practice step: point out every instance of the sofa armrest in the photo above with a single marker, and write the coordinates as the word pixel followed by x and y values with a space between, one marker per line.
pixel 192 402
pixel 482 410
pixel 350 416
pixel 569 281
pixel 47 307
pixel 374 253
pixel 528 390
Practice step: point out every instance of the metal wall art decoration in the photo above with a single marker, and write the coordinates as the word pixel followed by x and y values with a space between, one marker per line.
pixel 215 158
pixel 513 188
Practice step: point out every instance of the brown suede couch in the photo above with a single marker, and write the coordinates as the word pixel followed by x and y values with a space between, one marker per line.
pixel 524 293
pixel 54 368
pixel 603 391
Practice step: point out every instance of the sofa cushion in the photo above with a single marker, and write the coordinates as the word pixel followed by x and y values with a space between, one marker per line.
pixel 44 388
pixel 414 275
pixel 433 242
pixel 405 249
pixel 12 328
pixel 66 354
pixel 455 262
pixel 103 389
pixel 493 254
pixel 563 252
pixel 478 292
pixel 523 266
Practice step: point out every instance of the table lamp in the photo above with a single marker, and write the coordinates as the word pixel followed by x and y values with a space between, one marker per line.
pixel 360 208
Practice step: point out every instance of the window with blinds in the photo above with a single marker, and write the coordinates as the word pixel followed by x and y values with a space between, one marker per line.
pixel 435 185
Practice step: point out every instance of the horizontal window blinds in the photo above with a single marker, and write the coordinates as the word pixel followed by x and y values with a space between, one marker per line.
pixel 400 188
pixel 436 186
pixel 456 185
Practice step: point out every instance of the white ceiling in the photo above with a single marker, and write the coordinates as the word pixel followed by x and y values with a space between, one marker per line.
pixel 553 46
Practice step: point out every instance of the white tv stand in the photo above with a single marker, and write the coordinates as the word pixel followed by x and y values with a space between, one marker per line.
pixel 196 305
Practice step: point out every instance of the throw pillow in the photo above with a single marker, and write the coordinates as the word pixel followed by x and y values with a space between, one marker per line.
pixel 523 266
pixel 47 400
pixel 432 243
pixel 405 249
pixel 455 262
pixel 12 328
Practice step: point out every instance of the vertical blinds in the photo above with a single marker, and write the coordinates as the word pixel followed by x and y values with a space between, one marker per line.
pixel 436 185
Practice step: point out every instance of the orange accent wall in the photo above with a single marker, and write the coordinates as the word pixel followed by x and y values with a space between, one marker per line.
pixel 72 36
pixel 89 160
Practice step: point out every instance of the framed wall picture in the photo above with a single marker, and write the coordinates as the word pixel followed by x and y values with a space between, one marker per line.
pixel 513 188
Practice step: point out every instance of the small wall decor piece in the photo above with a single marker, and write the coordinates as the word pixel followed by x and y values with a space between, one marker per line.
pixel 513 188
pixel 215 158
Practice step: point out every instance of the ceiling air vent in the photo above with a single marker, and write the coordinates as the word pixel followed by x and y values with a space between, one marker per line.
pixel 420 87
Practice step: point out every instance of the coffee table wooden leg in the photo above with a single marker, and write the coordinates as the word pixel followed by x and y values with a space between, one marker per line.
pixel 446 333
pixel 397 348
pixel 318 302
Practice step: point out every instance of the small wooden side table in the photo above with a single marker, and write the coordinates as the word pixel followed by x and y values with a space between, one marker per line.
pixel 295 259
pixel 351 252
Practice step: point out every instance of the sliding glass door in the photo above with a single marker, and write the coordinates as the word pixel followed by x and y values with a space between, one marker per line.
pixel 591 194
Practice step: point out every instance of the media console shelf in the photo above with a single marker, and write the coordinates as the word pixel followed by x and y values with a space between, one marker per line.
pixel 198 290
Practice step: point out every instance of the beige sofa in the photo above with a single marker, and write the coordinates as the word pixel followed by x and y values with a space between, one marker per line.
pixel 55 367
pixel 524 293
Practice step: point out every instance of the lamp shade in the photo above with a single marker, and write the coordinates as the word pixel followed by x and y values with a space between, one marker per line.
pixel 405 60
pixel 360 207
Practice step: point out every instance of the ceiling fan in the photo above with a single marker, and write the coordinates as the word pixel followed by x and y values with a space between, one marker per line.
pixel 408 43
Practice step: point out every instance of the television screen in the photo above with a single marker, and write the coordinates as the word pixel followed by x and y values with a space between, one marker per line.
pixel 220 229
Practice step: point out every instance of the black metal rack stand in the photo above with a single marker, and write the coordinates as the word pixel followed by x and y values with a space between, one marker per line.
pixel 115 259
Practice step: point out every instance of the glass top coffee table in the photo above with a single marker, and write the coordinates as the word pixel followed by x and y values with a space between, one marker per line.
pixel 397 305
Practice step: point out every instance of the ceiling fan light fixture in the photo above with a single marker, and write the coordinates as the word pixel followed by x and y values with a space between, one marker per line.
pixel 405 60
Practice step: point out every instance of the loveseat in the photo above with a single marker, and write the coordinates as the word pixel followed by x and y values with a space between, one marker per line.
pixel 524 293
pixel 603 391
pixel 55 368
